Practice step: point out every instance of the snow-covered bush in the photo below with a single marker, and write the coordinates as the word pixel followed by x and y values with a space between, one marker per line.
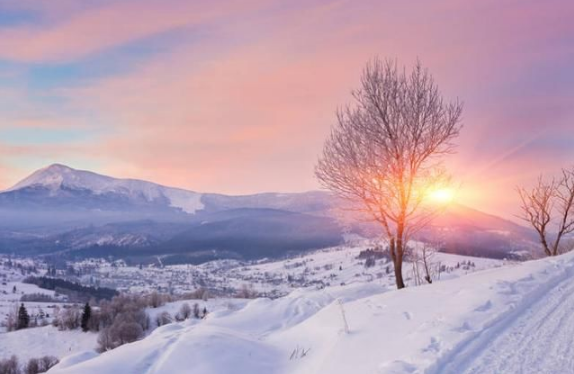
pixel 122 331
pixel 184 312
pixel 199 294
pixel 9 366
pixel 70 319
pixel 123 320
pixel 163 318
pixel 155 299
pixel 246 292
pixel 40 365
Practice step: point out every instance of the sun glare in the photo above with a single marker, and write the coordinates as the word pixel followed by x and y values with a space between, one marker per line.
pixel 442 196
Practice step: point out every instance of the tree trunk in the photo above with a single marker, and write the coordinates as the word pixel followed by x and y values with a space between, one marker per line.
pixel 556 244
pixel 544 244
pixel 400 249
pixel 395 247
pixel 399 271
pixel 427 270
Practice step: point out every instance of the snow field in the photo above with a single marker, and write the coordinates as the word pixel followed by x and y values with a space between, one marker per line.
pixel 430 329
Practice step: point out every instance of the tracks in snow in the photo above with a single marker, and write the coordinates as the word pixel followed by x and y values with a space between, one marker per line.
pixel 537 338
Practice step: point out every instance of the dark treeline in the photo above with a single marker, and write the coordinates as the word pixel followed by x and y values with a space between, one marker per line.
pixel 75 292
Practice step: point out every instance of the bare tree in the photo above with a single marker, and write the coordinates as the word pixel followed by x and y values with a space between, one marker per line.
pixel 425 268
pixel 384 154
pixel 550 204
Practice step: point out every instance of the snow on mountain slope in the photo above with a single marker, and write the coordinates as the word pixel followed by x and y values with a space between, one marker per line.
pixel 444 327
pixel 56 176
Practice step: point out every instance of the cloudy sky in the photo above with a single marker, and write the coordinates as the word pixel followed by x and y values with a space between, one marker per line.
pixel 237 96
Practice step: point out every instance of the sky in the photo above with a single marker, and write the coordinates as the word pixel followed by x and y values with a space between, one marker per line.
pixel 237 96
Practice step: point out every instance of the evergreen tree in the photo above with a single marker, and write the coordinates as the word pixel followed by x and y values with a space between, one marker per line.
pixel 86 317
pixel 23 318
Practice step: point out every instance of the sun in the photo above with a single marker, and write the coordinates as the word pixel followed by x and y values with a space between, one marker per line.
pixel 442 196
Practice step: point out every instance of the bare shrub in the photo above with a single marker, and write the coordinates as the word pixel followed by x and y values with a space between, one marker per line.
pixel 155 299
pixel 164 318
pixel 199 294
pixel 95 322
pixel 47 362
pixel 11 321
pixel 425 268
pixel 9 366
pixel 370 262
pixel 128 332
pixel 122 331
pixel 246 292
pixel 122 320
pixel 70 319
pixel 106 340
pixel 33 366
pixel 56 314
pixel 184 312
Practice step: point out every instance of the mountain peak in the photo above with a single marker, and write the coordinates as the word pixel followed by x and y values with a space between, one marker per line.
pixel 57 177
pixel 58 167
pixel 52 177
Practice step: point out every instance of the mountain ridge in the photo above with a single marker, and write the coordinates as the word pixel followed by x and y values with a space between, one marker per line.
pixel 62 204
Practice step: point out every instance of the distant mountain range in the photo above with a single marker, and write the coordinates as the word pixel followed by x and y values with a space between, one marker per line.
pixel 77 213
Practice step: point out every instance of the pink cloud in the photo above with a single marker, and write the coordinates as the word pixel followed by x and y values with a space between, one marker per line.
pixel 90 30
pixel 249 110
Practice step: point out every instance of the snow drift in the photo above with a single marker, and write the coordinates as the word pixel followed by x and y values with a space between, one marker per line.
pixel 446 327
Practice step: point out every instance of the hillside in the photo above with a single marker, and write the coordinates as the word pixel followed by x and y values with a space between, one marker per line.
pixel 318 269
pixel 439 328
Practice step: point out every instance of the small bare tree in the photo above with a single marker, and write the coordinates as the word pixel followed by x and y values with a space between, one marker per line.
pixel 384 153
pixel 550 204
pixel 425 268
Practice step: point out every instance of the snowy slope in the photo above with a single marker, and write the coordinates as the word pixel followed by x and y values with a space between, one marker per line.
pixel 452 326
pixel 45 341
pixel 56 177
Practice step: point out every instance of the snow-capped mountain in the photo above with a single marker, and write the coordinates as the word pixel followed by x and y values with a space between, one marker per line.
pixel 56 178
pixel 59 208
pixel 59 187
pixel 64 209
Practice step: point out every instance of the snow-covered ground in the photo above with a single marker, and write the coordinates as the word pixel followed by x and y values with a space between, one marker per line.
pixel 10 299
pixel 45 341
pixel 513 319
pixel 49 341
pixel 322 268
pixel 11 292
